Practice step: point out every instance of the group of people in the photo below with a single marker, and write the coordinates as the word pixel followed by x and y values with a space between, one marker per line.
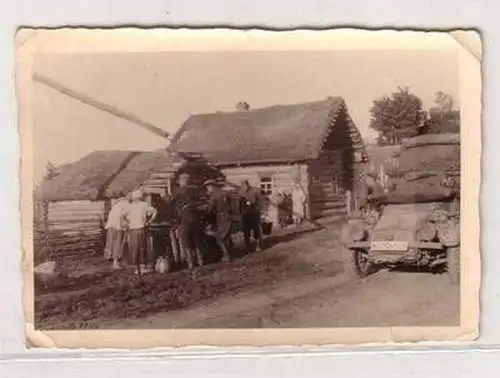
pixel 130 217
pixel 291 206
pixel 126 226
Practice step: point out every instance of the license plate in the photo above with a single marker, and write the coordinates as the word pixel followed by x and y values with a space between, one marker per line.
pixel 389 245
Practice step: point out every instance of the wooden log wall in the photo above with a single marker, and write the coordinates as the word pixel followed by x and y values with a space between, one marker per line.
pixel 283 176
pixel 335 173
pixel 73 228
pixel 166 179
pixel 326 188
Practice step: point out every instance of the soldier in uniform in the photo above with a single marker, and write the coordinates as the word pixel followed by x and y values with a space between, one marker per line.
pixel 250 209
pixel 185 202
pixel 219 210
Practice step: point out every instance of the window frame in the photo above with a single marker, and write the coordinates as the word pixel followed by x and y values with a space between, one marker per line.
pixel 266 184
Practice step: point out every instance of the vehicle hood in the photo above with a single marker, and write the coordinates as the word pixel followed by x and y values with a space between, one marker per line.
pixel 400 222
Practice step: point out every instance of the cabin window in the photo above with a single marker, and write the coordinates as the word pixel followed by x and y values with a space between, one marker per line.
pixel 266 185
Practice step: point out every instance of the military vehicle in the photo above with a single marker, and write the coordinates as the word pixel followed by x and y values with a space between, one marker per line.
pixel 415 219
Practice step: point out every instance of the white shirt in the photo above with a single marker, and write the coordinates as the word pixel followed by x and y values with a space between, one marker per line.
pixel 298 195
pixel 138 213
pixel 115 215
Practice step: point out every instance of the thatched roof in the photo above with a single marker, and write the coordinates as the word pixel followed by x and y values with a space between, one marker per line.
pixel 273 134
pixel 106 174
pixel 84 179
pixel 138 170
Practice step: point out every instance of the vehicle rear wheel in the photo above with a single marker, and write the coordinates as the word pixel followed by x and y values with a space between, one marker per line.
pixel 357 263
pixel 453 264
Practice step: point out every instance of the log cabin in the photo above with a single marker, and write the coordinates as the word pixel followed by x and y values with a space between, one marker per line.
pixel 315 143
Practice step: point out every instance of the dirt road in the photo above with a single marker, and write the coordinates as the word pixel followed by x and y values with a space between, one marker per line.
pixel 297 282
pixel 385 299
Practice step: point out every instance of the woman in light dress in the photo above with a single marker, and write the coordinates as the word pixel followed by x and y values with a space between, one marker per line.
pixel 115 233
pixel 299 198
pixel 140 214
pixel 298 203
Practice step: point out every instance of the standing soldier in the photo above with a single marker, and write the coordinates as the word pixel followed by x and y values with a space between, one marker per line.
pixel 219 210
pixel 185 202
pixel 250 209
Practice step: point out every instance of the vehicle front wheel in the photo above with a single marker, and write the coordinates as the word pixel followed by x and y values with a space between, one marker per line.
pixel 453 264
pixel 357 263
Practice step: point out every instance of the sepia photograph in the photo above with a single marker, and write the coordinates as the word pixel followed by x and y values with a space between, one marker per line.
pixel 300 182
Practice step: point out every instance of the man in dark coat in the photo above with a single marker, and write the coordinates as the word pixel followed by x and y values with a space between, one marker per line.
pixel 185 201
pixel 219 210
pixel 250 212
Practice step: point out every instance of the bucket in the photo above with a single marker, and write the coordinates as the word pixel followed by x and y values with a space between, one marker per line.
pixel 267 228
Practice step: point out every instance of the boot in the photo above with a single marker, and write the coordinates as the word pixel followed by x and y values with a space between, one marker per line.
pixel 247 245
pixel 189 258
pixel 226 257
pixel 116 264
pixel 199 257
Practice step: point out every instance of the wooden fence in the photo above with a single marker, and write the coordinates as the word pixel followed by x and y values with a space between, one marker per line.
pixel 69 228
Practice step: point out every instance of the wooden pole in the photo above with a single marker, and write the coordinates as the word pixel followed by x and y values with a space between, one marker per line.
pixel 99 105
pixel 107 209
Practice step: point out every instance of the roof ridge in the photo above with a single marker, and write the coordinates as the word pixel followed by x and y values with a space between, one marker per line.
pixel 331 99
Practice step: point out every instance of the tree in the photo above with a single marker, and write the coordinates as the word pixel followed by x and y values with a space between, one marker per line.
pixel 51 171
pixel 397 116
pixel 444 101
pixel 442 117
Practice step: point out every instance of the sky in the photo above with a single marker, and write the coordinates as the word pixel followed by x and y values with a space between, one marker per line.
pixel 165 88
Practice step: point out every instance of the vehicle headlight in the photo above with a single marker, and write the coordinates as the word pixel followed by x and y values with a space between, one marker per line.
pixel 449 234
pixel 426 233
